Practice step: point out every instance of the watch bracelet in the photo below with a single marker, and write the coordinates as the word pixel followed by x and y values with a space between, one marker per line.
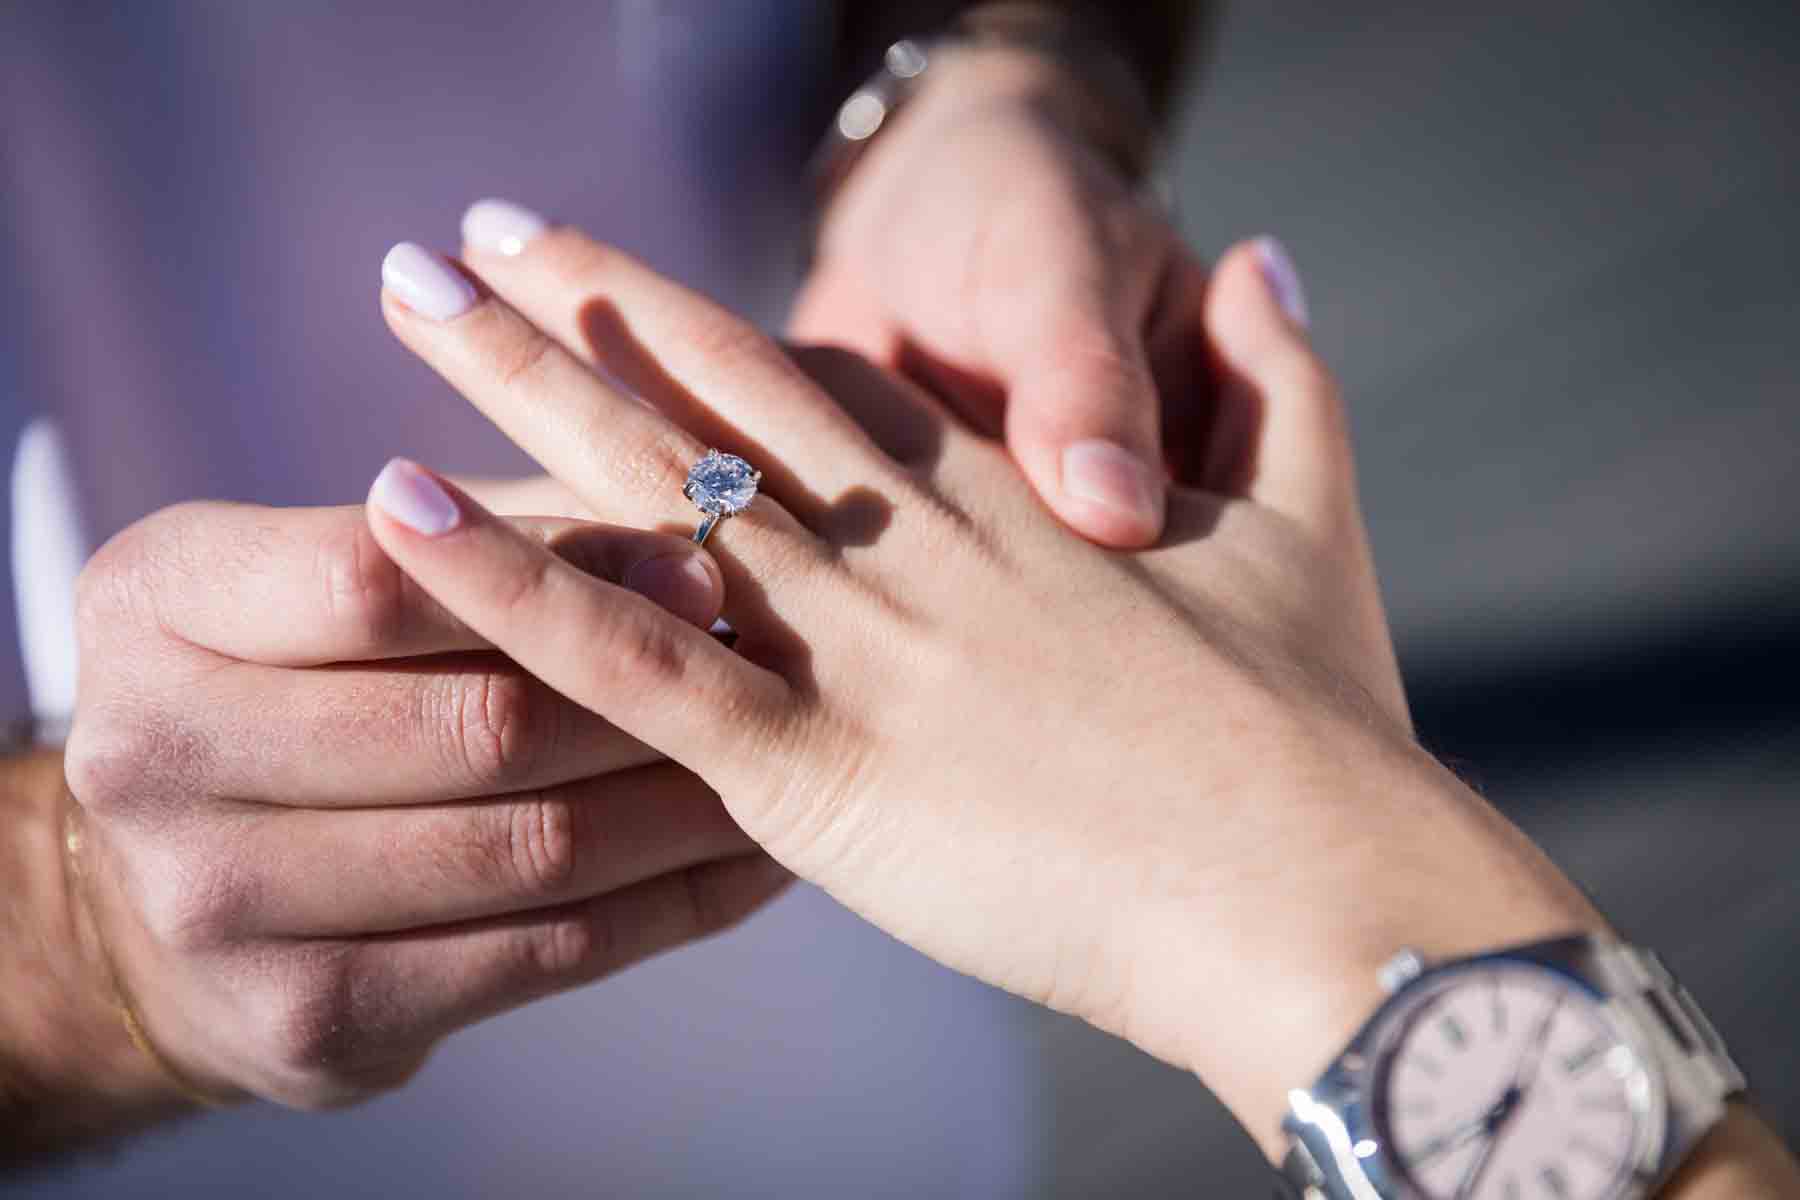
pixel 1126 137
pixel 1642 985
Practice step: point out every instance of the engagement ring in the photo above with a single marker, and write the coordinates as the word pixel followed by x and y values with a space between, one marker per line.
pixel 720 485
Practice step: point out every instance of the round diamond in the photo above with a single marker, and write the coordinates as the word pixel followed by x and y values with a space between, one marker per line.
pixel 721 484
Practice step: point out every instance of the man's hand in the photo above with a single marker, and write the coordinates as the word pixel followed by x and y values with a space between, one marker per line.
pixel 985 248
pixel 326 825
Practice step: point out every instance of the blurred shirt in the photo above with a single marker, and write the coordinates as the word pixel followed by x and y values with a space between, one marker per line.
pixel 196 199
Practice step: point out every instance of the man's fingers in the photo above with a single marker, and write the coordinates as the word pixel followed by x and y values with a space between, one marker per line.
pixel 1082 422
pixel 408 723
pixel 1062 332
pixel 350 735
pixel 309 873
pixel 323 1021
pixel 423 985
pixel 301 586
pixel 663 681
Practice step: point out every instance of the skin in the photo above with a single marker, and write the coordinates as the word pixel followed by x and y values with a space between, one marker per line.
pixel 985 248
pixel 290 974
pixel 417 817
pixel 1038 761
pixel 260 680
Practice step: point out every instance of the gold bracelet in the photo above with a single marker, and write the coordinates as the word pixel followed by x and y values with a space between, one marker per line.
pixel 120 998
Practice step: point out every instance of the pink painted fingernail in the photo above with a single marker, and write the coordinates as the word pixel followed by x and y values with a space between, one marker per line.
pixel 425 283
pixel 1283 278
pixel 500 226
pixel 406 492
pixel 678 582
pixel 1109 474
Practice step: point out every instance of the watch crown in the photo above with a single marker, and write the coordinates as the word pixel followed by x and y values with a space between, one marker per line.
pixel 1400 970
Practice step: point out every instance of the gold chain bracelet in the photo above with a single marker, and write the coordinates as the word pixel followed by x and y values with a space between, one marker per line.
pixel 72 839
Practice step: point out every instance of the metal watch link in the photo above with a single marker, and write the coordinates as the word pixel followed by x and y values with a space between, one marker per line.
pixel 1570 1069
pixel 1122 118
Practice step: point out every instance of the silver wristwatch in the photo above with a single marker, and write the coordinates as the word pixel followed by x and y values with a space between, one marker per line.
pixel 1572 1069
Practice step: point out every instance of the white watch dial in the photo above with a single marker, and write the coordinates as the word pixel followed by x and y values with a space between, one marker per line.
pixel 1509 1083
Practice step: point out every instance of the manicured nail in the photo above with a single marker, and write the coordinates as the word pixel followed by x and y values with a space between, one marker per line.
pixel 678 582
pixel 406 492
pixel 1283 279
pixel 500 226
pixel 1109 474
pixel 426 283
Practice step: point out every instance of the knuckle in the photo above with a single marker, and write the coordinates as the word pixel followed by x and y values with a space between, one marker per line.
pixel 580 263
pixel 492 726
pixel 517 593
pixel 100 760
pixel 124 582
pixel 540 844
pixel 314 1048
pixel 655 464
pixel 309 1034
pixel 119 759
pixel 191 902
pixel 364 590
pixel 568 945
pixel 520 360
pixel 643 651
pixel 1095 356
pixel 721 337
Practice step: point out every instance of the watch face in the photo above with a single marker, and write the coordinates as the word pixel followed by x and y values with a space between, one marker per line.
pixel 1510 1082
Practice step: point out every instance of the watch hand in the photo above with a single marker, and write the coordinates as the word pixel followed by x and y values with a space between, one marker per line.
pixel 1488 1123
pixel 1454 1139
pixel 1465 1188
pixel 1493 1122
pixel 1533 1054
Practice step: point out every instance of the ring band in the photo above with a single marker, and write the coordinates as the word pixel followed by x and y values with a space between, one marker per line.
pixel 720 485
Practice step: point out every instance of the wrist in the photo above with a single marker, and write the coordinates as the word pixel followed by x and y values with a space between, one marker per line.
pixel 108 966
pixel 999 75
pixel 1096 87
pixel 68 1070
pixel 974 78
pixel 1260 974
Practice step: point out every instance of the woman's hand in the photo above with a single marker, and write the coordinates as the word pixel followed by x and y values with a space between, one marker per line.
pixel 1173 792
pixel 324 824
pixel 984 246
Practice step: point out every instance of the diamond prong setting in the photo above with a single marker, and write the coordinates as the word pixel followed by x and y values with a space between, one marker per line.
pixel 721 485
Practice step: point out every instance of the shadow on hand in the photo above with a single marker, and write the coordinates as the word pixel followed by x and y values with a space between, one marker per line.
pixel 857 517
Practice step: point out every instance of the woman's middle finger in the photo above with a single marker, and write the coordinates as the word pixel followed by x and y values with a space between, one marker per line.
pixel 705 368
pixel 620 456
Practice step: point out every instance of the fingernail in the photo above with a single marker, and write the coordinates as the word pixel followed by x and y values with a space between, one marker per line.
pixel 1283 279
pixel 1107 473
pixel 500 226
pixel 406 492
pixel 678 582
pixel 426 283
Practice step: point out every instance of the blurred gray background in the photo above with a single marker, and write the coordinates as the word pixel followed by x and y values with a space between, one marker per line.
pixel 1553 249
pixel 1554 252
